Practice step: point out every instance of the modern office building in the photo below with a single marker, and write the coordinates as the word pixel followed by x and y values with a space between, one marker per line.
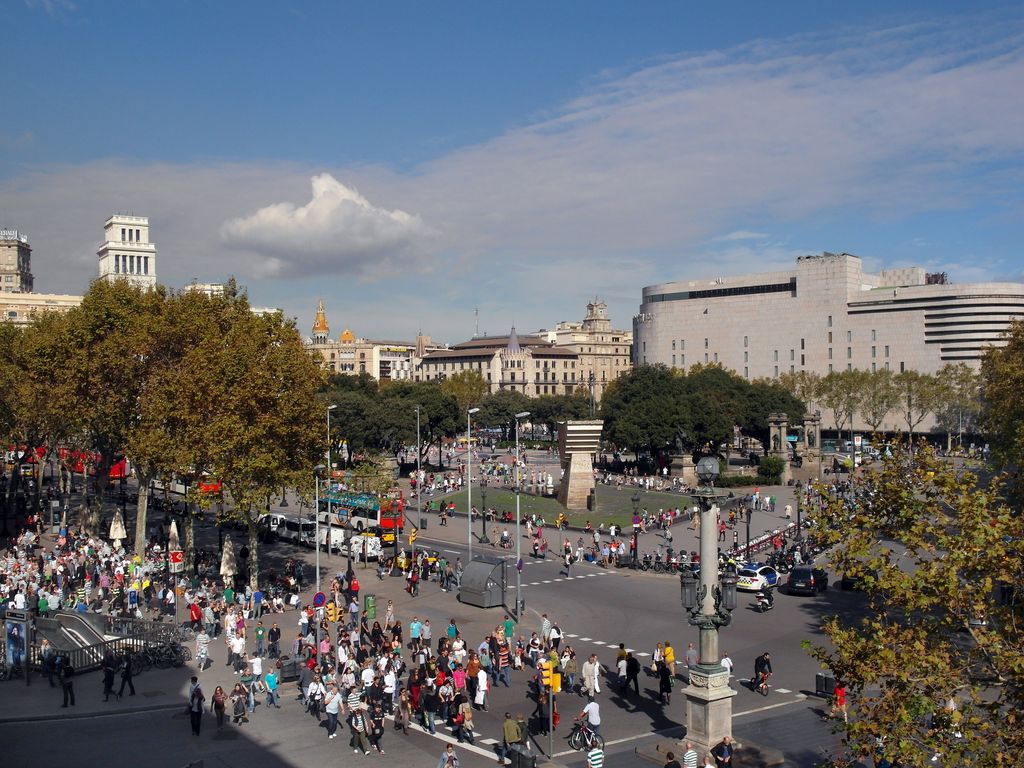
pixel 384 360
pixel 603 353
pixel 126 252
pixel 15 262
pixel 824 315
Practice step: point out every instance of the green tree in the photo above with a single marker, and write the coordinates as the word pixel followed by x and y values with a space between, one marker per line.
pixel 467 387
pixel 263 426
pixel 1002 388
pixel 842 393
pixel 644 409
pixel 803 385
pixel 936 550
pixel 549 410
pixel 959 403
pixel 499 410
pixel 919 394
pixel 879 396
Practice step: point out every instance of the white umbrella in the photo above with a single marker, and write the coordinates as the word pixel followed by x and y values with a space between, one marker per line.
pixel 228 566
pixel 173 542
pixel 117 531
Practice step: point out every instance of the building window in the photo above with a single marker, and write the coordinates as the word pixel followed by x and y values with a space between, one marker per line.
pixel 887 365
pixel 874 351
pixel 746 357
pixel 830 337
pixel 776 355
pixel 830 354
pixel 802 361
pixel 849 353
pixel 138 235
pixel 682 360
pixel 705 343
pixel 830 321
pixel 874 336
pixel 673 345
pixel 886 351
pixel 903 366
pixel 792 369
pixel 682 344
pixel 716 357
pixel 673 361
pixel 873 368
pixel 801 343
pixel 849 366
pixel 830 367
pixel 746 372
pixel 849 336
pixel 122 234
pixel 792 355
pixel 746 341
pixel 145 268
pixel 776 371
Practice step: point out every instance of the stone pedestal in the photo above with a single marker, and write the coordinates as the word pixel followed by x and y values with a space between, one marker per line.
pixel 577 443
pixel 684 468
pixel 708 707
pixel 778 426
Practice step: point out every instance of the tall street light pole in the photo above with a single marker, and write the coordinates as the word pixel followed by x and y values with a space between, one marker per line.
pixel 519 538
pixel 316 540
pixel 419 490
pixel 329 541
pixel 469 482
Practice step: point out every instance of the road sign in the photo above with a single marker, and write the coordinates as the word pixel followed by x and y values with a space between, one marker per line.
pixel 319 599
pixel 176 559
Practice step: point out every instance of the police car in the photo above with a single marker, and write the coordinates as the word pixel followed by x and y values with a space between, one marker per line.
pixel 753 577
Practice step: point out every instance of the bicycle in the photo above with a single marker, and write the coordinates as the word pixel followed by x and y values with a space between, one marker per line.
pixel 762 686
pixel 582 737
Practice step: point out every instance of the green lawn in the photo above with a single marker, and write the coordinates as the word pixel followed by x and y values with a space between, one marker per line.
pixel 613 506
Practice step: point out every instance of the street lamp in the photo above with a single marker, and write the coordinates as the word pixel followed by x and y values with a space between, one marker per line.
pixel 709 604
pixel 469 481
pixel 329 409
pixel 519 538
pixel 419 488
pixel 635 543
pixel 316 535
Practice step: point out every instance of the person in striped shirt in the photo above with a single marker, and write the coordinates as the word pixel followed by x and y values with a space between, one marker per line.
pixel 595 758
pixel 690 756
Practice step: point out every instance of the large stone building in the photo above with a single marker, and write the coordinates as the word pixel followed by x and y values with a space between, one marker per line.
pixel 382 359
pixel 15 262
pixel 531 365
pixel 603 353
pixel 126 253
pixel 824 315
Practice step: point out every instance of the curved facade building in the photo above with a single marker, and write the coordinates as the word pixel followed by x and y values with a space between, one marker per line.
pixel 825 314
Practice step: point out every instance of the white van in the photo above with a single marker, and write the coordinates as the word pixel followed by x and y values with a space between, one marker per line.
pixel 371 544
pixel 298 531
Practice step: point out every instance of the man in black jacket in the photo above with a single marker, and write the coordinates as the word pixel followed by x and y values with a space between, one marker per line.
pixel 632 673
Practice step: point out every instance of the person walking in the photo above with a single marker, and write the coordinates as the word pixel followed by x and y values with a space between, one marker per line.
pixel 67 683
pixel 722 753
pixel 109 667
pixel 238 697
pixel 195 705
pixel 590 685
pixel 218 706
pixel 690 756
pixel 449 758
pixel 632 673
pixel 270 680
pixel 377 728
pixel 511 736
pixel 126 675
pixel 360 728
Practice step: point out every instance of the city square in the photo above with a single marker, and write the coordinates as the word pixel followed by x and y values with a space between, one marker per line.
pixel 589 385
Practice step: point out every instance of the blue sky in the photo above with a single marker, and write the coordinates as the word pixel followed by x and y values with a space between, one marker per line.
pixel 409 161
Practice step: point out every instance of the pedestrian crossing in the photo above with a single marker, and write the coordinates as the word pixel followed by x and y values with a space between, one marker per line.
pixel 605 644
pixel 566 578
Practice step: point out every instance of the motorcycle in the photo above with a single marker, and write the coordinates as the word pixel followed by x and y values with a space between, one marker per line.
pixel 646 562
pixel 764 600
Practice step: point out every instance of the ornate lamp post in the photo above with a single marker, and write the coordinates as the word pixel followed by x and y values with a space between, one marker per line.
pixel 469 482
pixel 709 603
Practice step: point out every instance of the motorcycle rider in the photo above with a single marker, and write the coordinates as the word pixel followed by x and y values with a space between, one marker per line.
pixel 762 669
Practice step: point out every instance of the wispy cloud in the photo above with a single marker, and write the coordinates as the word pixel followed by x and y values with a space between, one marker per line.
pixel 648 174
pixel 54 8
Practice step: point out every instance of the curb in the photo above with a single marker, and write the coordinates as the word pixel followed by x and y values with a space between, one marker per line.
pixel 84 715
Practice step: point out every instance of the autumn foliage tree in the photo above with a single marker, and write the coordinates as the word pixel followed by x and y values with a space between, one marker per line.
pixel 937 550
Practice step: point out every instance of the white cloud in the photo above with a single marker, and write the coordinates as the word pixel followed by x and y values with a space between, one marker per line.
pixel 338 230
pixel 740 234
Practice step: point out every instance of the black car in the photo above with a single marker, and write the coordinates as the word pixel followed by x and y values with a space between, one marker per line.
pixel 806 580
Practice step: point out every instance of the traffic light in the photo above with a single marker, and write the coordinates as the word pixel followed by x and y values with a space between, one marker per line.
pixel 556 683
pixel 546 673
pixel 412 536
pixel 332 611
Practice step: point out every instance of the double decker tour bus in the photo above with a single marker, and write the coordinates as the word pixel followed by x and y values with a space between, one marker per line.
pixel 365 511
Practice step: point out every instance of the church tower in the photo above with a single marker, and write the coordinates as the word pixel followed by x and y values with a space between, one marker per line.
pixel 321 331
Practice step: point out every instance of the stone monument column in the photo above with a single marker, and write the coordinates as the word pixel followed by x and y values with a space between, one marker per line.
pixel 778 446
pixel 578 441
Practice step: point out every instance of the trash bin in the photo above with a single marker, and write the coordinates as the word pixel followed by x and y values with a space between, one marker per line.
pixel 824 684
pixel 370 606
pixel 423 523
pixel 521 758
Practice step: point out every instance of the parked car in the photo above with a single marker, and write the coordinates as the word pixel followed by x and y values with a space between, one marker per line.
pixel 806 580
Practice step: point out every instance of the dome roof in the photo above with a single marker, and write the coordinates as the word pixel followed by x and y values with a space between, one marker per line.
pixel 320 326
pixel 347 337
